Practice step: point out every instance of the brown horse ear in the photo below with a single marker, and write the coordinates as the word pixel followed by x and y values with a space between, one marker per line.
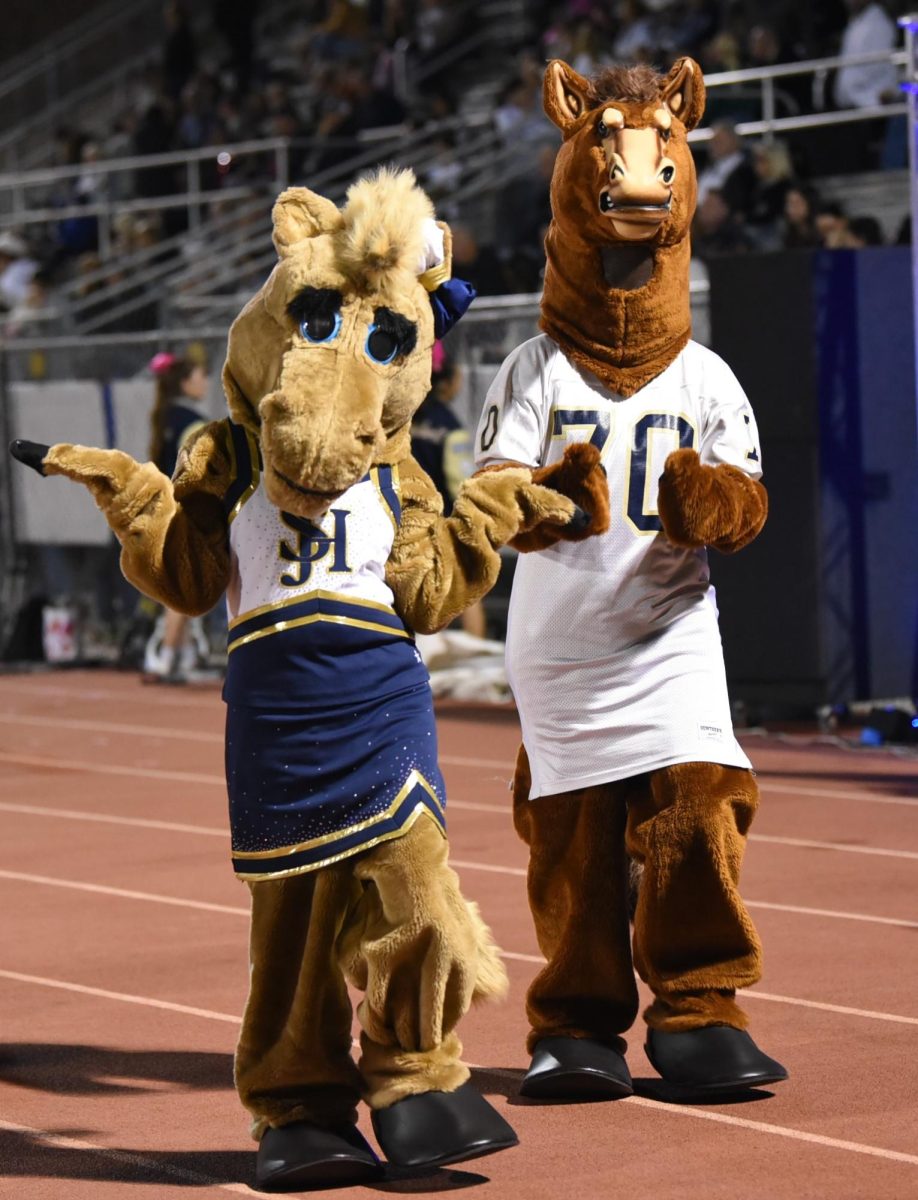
pixel 683 92
pixel 300 213
pixel 565 94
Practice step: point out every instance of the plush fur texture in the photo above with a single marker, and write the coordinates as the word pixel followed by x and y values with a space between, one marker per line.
pixel 394 924
pixel 625 337
pixel 709 506
pixel 686 825
pixel 437 567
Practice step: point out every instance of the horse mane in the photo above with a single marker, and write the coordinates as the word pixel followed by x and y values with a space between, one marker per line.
pixel 637 84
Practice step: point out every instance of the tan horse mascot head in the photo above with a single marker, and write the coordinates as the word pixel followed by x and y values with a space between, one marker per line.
pixel 328 361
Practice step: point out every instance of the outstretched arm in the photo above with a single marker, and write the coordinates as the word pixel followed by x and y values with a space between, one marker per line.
pixel 439 565
pixel 174 545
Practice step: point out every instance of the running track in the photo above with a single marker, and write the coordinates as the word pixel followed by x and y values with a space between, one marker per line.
pixel 123 970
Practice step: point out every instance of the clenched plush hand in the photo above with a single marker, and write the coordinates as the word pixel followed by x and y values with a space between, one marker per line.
pixel 709 506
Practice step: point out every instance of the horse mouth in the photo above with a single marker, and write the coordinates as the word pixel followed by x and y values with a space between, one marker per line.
pixel 304 491
pixel 642 213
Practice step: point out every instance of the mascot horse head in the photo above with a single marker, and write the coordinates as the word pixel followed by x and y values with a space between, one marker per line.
pixel 328 361
pixel 623 195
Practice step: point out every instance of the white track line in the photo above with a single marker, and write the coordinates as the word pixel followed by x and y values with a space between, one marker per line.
pixel 127 1158
pixel 466 864
pixel 123 997
pixel 122 893
pixel 797 1135
pixel 174 901
pixel 807 844
pixel 639 1101
pixel 450 760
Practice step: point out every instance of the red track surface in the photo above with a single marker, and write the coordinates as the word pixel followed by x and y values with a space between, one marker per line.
pixel 123 970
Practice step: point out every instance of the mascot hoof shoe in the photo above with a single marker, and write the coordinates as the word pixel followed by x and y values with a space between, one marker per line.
pixel 565 1068
pixel 301 1155
pixel 437 1128
pixel 30 453
pixel 715 1060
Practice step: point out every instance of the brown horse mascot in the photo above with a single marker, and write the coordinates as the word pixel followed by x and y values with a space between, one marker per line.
pixel 613 650
pixel 306 509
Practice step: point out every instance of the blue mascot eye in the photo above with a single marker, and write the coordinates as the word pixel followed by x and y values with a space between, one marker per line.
pixel 382 346
pixel 321 327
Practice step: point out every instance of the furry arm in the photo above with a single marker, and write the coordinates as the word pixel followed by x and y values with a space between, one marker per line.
pixel 709 506
pixel 174 545
pixel 579 476
pixel 439 565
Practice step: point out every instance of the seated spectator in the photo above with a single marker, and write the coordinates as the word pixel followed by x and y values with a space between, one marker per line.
pixel 832 225
pixel 636 39
pixel 772 165
pixel 17 269
pixel 717 229
pixel 798 223
pixel 523 217
pixel 29 317
pixel 869 30
pixel 729 170
pixel 520 118
pixel 480 265
pixel 864 231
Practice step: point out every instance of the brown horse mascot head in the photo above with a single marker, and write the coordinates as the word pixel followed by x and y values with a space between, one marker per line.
pixel 328 361
pixel 623 192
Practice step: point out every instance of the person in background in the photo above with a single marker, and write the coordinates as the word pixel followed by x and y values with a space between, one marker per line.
pixel 798 225
pixel 182 385
pixel 729 170
pixel 16 271
pixel 870 30
pixel 442 447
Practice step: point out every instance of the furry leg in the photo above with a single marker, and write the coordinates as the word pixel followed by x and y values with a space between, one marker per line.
pixel 694 941
pixel 578 895
pixel 293 1061
pixel 421 954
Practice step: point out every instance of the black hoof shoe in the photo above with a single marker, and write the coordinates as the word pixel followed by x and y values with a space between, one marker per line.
pixel 437 1128
pixel 716 1060
pixel 300 1155
pixel 30 453
pixel 565 1068
pixel 579 521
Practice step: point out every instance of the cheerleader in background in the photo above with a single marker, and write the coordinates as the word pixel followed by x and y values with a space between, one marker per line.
pixel 178 642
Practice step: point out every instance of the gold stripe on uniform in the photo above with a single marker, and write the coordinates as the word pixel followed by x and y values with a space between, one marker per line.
pixel 414 779
pixel 280 626
pixel 420 809
pixel 316 594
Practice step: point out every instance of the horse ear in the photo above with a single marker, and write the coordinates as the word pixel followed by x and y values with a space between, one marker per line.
pixel 565 94
pixel 300 213
pixel 683 92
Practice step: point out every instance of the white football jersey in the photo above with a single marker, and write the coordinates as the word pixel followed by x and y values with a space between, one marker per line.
pixel 613 649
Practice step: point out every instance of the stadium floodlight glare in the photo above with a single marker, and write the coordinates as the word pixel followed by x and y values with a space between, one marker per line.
pixel 224 158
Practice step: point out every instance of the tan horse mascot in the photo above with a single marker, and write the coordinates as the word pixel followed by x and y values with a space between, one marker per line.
pixel 306 508
pixel 613 649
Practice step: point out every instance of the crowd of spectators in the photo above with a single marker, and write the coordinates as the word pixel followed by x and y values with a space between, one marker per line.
pixel 330 74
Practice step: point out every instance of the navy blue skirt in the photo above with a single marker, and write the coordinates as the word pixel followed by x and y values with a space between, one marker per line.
pixel 308 787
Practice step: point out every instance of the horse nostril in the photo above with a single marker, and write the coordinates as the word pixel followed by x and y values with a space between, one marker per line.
pixel 667 174
pixel 616 172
